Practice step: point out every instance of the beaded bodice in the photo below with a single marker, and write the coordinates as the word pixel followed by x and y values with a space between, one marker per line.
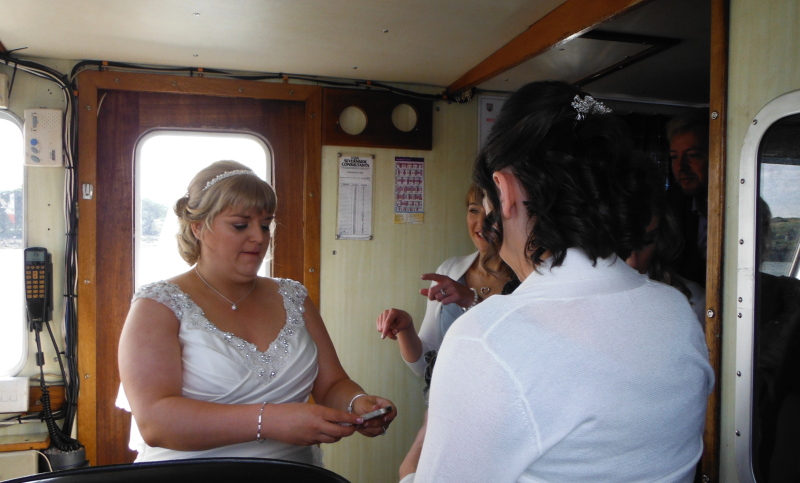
pixel 265 365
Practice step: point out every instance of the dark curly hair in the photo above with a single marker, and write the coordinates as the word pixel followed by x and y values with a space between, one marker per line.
pixel 584 184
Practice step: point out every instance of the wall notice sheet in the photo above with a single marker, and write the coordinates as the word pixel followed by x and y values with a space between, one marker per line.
pixel 409 189
pixel 355 198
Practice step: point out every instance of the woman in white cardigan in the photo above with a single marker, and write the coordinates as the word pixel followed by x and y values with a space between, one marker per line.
pixel 458 284
pixel 589 371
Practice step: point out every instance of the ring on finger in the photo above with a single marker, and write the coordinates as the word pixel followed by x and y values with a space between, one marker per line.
pixel 443 292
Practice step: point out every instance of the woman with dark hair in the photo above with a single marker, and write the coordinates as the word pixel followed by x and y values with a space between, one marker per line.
pixel 589 371
pixel 662 246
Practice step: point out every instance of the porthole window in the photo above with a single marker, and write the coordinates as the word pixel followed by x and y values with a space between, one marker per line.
pixel 13 340
pixel 353 120
pixel 404 117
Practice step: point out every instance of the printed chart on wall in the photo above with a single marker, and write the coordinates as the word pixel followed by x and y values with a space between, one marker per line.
pixel 489 108
pixel 409 189
pixel 355 198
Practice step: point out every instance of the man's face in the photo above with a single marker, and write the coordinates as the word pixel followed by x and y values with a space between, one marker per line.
pixel 689 156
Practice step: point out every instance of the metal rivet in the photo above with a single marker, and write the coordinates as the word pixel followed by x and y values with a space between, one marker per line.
pixel 741 180
pixel 241 89
pixel 738 433
pixel 740 299
pixel 741 242
pixel 739 315
pixel 86 280
pixel 88 108
pixel 174 83
pixel 116 80
pixel 86 376
pixel 739 373
pixel 710 313
pixel 311 270
pixel 714 115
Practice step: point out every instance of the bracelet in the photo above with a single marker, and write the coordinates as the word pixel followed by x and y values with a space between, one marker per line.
pixel 474 300
pixel 350 406
pixel 259 439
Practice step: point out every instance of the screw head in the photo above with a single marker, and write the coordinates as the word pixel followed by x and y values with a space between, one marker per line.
pixel 241 89
pixel 740 299
pixel 741 180
pixel 755 121
pixel 738 433
pixel 714 115
pixel 739 315
pixel 88 108
pixel 710 314
pixel 311 270
pixel 741 242
pixel 174 83
pixel 739 373
pixel 116 80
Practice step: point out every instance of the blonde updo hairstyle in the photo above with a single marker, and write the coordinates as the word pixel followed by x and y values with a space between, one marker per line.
pixel 244 191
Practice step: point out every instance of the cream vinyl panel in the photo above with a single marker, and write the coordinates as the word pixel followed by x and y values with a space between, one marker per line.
pixel 365 277
pixel 763 53
pixel 44 216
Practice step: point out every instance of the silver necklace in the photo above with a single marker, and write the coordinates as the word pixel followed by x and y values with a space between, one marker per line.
pixel 233 304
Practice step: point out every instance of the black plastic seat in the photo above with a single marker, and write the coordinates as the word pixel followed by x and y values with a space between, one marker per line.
pixel 194 470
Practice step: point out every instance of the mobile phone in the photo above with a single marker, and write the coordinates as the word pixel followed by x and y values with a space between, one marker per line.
pixel 376 413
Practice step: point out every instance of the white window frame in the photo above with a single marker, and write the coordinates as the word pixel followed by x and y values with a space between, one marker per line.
pixel 270 177
pixel 14 370
pixel 777 109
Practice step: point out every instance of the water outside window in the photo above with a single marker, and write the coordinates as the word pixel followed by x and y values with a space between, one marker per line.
pixel 166 161
pixel 12 299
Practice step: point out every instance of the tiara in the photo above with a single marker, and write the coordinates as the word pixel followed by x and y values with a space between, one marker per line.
pixel 588 105
pixel 227 174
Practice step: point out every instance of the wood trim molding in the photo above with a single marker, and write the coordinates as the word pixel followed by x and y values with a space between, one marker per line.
pixel 569 20
pixel 89 83
pixel 313 191
pixel 87 263
pixel 126 81
pixel 716 220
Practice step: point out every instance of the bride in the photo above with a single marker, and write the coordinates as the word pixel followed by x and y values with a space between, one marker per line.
pixel 219 362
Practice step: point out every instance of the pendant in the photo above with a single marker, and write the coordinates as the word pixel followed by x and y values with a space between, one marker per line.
pixel 485 290
pixel 233 307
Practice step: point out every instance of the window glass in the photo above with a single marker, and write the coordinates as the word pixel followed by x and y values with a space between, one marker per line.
pixel 166 161
pixel 12 299
pixel 776 379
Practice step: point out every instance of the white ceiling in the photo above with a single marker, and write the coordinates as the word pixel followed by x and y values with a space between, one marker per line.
pixel 431 42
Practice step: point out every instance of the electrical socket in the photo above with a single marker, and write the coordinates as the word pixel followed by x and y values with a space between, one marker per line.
pixel 14 394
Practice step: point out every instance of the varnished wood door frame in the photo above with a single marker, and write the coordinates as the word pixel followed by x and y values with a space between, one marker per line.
pixel 717 166
pixel 89 83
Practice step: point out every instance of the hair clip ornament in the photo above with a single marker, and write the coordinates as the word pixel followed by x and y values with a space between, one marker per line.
pixel 588 105
pixel 226 174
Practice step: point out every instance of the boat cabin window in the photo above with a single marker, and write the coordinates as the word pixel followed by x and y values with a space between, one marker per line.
pixel 13 333
pixel 166 161
pixel 768 337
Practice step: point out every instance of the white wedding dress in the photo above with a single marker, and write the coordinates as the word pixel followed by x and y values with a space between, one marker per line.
pixel 222 368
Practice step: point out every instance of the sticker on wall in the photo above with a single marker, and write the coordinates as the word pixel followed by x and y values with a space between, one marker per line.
pixel 409 189
pixel 355 198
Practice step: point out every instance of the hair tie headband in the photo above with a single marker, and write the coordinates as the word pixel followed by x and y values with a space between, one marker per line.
pixel 226 174
pixel 588 105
